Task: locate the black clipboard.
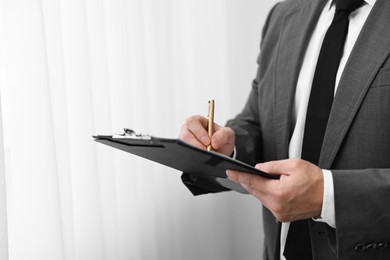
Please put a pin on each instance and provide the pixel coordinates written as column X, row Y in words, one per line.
column 179, row 155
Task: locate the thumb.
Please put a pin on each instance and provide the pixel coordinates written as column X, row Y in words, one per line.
column 274, row 167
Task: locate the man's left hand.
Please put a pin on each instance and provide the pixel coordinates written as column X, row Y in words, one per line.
column 296, row 195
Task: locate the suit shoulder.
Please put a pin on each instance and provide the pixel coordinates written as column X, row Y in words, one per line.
column 296, row 8
column 284, row 15
column 291, row 6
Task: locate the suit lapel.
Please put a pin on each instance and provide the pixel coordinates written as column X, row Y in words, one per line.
column 297, row 29
column 370, row 51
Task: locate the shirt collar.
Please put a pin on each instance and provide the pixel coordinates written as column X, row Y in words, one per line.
column 369, row 2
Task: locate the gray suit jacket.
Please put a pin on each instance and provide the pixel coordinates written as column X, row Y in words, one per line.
column 357, row 141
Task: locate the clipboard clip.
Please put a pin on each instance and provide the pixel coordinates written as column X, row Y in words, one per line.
column 131, row 134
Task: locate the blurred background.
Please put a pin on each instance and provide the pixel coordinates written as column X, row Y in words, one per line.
column 70, row 69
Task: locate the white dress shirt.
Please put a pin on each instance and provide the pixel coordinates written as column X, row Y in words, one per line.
column 357, row 19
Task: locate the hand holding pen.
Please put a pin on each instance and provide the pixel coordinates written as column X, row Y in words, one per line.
column 199, row 132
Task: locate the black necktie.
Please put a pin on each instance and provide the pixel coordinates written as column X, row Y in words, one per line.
column 298, row 244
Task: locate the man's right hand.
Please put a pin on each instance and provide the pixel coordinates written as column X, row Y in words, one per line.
column 194, row 132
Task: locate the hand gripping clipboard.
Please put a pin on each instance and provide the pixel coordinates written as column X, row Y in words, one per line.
column 181, row 156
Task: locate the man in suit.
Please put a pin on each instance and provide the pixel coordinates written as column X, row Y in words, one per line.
column 344, row 198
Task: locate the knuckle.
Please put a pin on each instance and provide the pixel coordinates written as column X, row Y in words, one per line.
column 293, row 163
column 278, row 213
column 251, row 182
column 279, row 205
column 230, row 131
column 222, row 135
column 193, row 126
column 185, row 135
column 282, row 218
column 280, row 195
column 190, row 120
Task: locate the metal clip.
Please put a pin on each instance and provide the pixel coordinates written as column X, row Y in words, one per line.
column 131, row 134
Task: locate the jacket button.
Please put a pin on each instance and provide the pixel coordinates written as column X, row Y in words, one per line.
column 360, row 247
column 380, row 245
column 370, row 246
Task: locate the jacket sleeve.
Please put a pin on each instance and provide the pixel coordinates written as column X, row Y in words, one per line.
column 362, row 199
column 201, row 185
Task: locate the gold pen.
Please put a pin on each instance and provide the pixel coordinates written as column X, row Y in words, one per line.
column 210, row 125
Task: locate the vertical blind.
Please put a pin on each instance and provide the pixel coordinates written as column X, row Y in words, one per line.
column 70, row 69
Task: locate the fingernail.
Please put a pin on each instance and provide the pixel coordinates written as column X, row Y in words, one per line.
column 228, row 173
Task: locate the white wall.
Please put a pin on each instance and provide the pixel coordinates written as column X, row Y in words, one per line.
column 96, row 66
column 3, row 201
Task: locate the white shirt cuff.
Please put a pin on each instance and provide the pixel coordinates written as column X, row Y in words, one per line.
column 328, row 214
column 234, row 155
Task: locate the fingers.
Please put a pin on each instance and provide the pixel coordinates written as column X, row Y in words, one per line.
column 194, row 131
column 255, row 185
column 267, row 191
column 191, row 135
column 223, row 140
column 281, row 167
column 298, row 194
